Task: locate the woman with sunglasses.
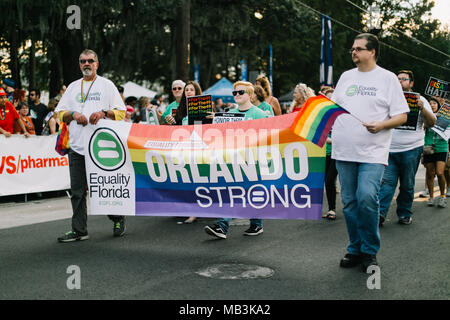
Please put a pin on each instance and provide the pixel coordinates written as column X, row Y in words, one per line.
column 191, row 89
column 242, row 92
column 177, row 91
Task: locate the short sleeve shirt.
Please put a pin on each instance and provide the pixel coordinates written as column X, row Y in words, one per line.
column 8, row 116
column 102, row 95
column 252, row 114
column 369, row 96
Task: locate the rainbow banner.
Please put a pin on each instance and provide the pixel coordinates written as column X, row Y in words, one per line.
column 250, row 169
column 315, row 119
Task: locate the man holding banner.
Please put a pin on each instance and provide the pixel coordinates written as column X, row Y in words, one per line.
column 361, row 147
column 405, row 152
column 88, row 99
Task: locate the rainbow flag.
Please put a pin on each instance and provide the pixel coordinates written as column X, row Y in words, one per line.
column 62, row 141
column 315, row 119
column 249, row 169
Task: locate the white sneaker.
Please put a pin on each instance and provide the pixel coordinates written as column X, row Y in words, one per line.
column 448, row 192
column 424, row 194
column 430, row 202
column 442, row 202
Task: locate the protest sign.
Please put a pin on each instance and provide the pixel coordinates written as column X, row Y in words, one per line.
column 437, row 88
column 198, row 108
column 250, row 169
column 413, row 115
column 224, row 117
column 442, row 126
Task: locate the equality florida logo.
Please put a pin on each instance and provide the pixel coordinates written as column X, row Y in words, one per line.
column 108, row 153
column 355, row 90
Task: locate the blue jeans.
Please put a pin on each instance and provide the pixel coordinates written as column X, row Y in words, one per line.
column 224, row 223
column 402, row 167
column 360, row 184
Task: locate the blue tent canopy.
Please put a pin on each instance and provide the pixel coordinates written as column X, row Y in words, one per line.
column 221, row 89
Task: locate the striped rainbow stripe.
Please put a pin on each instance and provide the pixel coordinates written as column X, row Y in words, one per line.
column 315, row 119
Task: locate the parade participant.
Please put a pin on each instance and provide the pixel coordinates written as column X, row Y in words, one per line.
column 88, row 99
column 23, row 117
column 434, row 158
column 9, row 116
column 361, row 150
column 330, row 169
column 190, row 89
column 301, row 93
column 265, row 84
column 242, row 92
column 258, row 99
column 404, row 158
column 177, row 91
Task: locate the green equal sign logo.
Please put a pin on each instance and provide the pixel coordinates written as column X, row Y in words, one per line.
column 106, row 150
column 352, row 90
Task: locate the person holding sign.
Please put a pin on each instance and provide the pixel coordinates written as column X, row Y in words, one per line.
column 191, row 89
column 405, row 152
column 177, row 91
column 242, row 92
column 87, row 100
column 361, row 147
column 434, row 158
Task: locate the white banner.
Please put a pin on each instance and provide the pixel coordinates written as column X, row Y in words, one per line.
column 31, row 164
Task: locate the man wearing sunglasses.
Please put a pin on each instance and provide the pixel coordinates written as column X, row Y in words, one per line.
column 242, row 92
column 177, row 91
column 361, row 141
column 404, row 158
column 88, row 99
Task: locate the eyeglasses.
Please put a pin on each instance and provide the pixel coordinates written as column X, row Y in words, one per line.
column 31, row 94
column 240, row 92
column 90, row 61
column 403, row 79
column 357, row 49
column 177, row 88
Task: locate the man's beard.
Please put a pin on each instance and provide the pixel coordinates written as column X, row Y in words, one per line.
column 87, row 72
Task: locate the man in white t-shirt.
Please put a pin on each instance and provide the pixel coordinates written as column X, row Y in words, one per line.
column 88, row 99
column 404, row 157
column 361, row 141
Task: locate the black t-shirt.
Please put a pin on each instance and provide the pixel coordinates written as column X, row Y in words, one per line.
column 41, row 111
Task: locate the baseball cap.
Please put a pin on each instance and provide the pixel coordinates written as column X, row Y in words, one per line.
column 2, row 92
column 9, row 82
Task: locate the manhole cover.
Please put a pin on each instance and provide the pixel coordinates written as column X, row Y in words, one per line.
column 236, row 271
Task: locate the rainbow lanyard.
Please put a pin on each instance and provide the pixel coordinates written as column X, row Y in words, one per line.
column 3, row 113
column 83, row 97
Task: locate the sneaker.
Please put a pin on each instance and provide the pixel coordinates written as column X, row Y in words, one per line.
column 350, row 260
column 442, row 202
column 73, row 236
column 424, row 194
column 253, row 231
column 405, row 220
column 367, row 261
column 119, row 228
column 430, row 202
column 215, row 231
column 448, row 192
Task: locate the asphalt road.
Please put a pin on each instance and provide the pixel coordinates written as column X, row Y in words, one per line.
column 159, row 259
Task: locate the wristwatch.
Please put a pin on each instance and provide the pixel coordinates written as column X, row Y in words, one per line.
column 105, row 112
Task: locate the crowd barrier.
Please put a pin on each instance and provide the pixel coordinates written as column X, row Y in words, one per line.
column 29, row 165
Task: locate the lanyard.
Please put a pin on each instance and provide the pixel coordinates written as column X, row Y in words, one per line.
column 84, row 98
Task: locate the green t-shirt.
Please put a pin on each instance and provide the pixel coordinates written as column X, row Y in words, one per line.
column 328, row 146
column 168, row 111
column 252, row 114
column 264, row 106
column 432, row 138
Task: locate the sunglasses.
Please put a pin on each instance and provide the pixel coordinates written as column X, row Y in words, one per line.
column 403, row 79
column 240, row 92
column 90, row 61
column 177, row 88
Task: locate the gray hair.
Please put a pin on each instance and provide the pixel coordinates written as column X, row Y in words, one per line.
column 89, row 51
column 180, row 82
